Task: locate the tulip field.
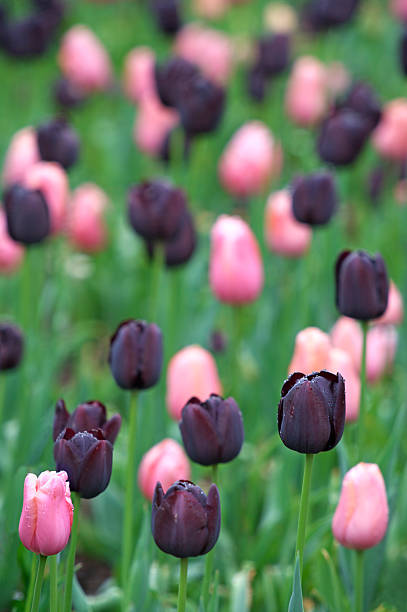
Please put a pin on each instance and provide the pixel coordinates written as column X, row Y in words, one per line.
column 203, row 234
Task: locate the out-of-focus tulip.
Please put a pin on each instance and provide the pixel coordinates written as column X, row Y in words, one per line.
column 341, row 361
column 47, row 514
column 191, row 372
column 11, row 253
column 347, row 335
column 170, row 76
column 51, row 180
column 394, row 313
column 362, row 285
column 200, row 105
column 399, row 9
column 307, row 95
column 180, row 248
column 84, row 61
column 324, row 14
column 314, row 198
column 138, row 77
column 251, row 159
column 342, row 137
column 311, row 412
column 58, row 142
column 311, row 351
column 136, row 354
column 185, row 522
column 236, row 268
column 11, row 346
column 280, row 17
column 27, row 213
column 21, row 154
column 361, row 517
column 284, row 234
column 68, row 94
column 167, row 14
column 166, row 462
column 86, row 225
column 274, row 51
column 211, row 9
column 337, row 79
column 152, row 124
column 362, row 99
column 390, row 136
column 87, row 416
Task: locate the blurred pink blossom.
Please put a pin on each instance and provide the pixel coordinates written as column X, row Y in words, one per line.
column 152, row 124
column 394, row 313
column 11, row 253
column 311, row 351
column 86, row 225
column 284, row 234
column 166, row 462
column 307, row 91
column 138, row 76
column 390, row 136
column 51, row 179
column 21, row 154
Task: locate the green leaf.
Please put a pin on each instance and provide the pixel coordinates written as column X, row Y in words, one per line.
column 240, row 595
column 296, row 604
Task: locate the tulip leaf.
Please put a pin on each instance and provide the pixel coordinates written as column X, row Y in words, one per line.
column 79, row 598
column 240, row 595
column 296, row 604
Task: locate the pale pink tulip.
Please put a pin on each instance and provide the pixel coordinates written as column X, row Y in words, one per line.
column 86, row 225
column 166, row 462
column 138, row 77
column 152, row 124
column 11, row 253
column 280, row 17
column 394, row 313
column 347, row 335
column 390, row 136
column 399, row 9
column 21, row 154
column 211, row 9
column 307, row 92
column 311, row 351
column 51, row 179
column 340, row 361
column 284, row 234
column 361, row 517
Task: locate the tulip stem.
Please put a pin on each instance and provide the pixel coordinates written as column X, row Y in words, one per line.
column 38, row 583
column 70, row 562
column 158, row 264
column 359, row 581
column 25, row 291
column 29, row 597
column 235, row 349
column 302, row 519
column 53, row 569
column 215, row 473
column 182, row 590
column 209, row 557
column 362, row 410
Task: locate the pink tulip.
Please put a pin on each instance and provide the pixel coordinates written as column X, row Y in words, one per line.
column 86, row 226
column 236, row 268
column 209, row 49
column 340, row 361
column 165, row 462
column 46, row 518
column 360, row 520
column 390, row 136
column 284, row 234
column 346, row 334
column 191, row 372
column 11, row 253
column 84, row 61
column 51, row 179
column 251, row 159
column 138, row 77
column 307, row 93
column 394, row 312
column 211, row 9
column 311, row 351
column 152, row 124
column 338, row 79
column 399, row 9
column 21, row 154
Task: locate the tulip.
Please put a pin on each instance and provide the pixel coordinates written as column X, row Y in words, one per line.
column 314, row 198
column 11, row 253
column 347, row 335
column 337, row 79
column 68, row 94
column 361, row 517
column 284, row 234
column 311, row 351
column 167, row 14
column 27, row 213
column 21, row 154
column 51, row 180
column 306, row 95
column 394, row 313
column 47, row 514
column 191, row 372
column 324, row 14
column 87, row 416
column 11, row 346
column 362, row 99
column 138, row 77
column 58, row 142
column 390, row 137
column 399, row 9
column 171, row 76
column 210, row 9
column 280, row 17
column 180, row 248
column 341, row 361
column 86, row 228
column 152, row 125
column 273, row 53
column 342, row 136
column 200, row 105
column 165, row 462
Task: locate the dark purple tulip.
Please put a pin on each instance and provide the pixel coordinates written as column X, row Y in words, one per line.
column 342, row 137
column 362, row 285
column 403, row 51
column 311, row 412
column 375, row 184
column 314, row 198
column 256, row 83
column 323, row 14
column 184, row 521
column 27, row 214
column 218, row 341
column 87, row 416
column 180, row 248
column 362, row 99
column 167, row 14
column 26, row 37
column 11, row 346
column 200, row 105
column 212, row 431
column 136, row 354
column 86, row 457
column 169, row 77
column 68, row 94
column 155, row 209
column 58, row 142
column 274, row 51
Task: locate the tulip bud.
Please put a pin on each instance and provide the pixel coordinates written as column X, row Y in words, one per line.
column 58, row 142
column 284, row 234
column 87, row 416
column 28, row 217
column 11, row 253
column 342, row 137
column 87, row 229
column 25, row 37
column 139, row 79
column 200, row 105
column 274, row 52
column 21, row 154
column 47, row 514
column 307, row 95
column 165, row 462
column 362, row 285
column 136, row 354
column 314, row 198
column 11, row 346
column 167, row 14
column 185, row 522
column 311, row 351
column 180, row 248
column 399, row 9
column 169, row 77
column 362, row 99
column 361, row 517
column 51, row 179
column 212, row 431
column 324, row 14
column 311, row 412
column 390, row 137
column 67, row 94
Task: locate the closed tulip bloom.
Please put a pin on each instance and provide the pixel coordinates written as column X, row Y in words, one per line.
column 306, row 96
column 274, row 51
column 210, row 9
column 200, row 105
column 47, row 514
column 170, row 76
column 166, row 462
column 167, row 14
column 390, row 137
column 347, row 335
column 381, row 350
column 68, row 95
column 362, row 99
column 399, row 9
column 394, row 313
column 21, row 154
column 324, row 14
column 236, row 268
column 11, row 346
column 87, row 416
column 341, row 361
column 361, row 517
column 311, row 351
column 152, row 125
column 11, row 253
column 342, row 137
column 212, row 431
column 192, row 372
column 179, row 249
column 138, row 77
column 86, row 227
column 314, row 198
column 136, row 354
column 27, row 213
column 284, row 234
column 362, row 285
column 84, row 61
column 58, row 142
column 51, row 179
column 311, row 412
column 185, row 522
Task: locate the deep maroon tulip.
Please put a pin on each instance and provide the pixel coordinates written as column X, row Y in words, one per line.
column 27, row 214
column 323, row 14
column 68, row 94
column 362, row 99
column 314, row 198
column 212, row 431
column 311, row 412
column 167, row 14
column 155, row 209
column 185, row 522
column 375, row 184
column 169, row 77
column 180, row 248
column 403, row 51
column 200, row 104
column 362, row 285
column 58, row 142
column 11, row 346
column 218, row 341
column 342, row 137
column 86, row 457
column 136, row 354
column 274, row 52
column 87, row 416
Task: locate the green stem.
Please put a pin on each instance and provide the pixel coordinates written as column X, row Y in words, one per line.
column 182, row 590
column 3, row 387
column 359, row 581
column 25, row 291
column 53, row 571
column 362, row 408
column 127, row 535
column 235, row 349
column 215, row 473
column 302, row 519
column 30, row 591
column 70, row 562
column 158, row 264
column 209, row 557
column 38, row 583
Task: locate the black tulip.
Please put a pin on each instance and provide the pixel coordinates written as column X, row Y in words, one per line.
column 200, row 105
column 170, row 76
column 362, row 99
column 311, row 412
column 314, row 198
column 362, row 285
column 212, row 431
column 342, row 137
column 58, row 142
column 11, row 346
column 274, row 51
column 185, row 522
column 136, row 354
column 323, row 14
column 167, row 15
column 27, row 214
column 26, row 37
column 87, row 416
column 67, row 94
column 180, row 248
